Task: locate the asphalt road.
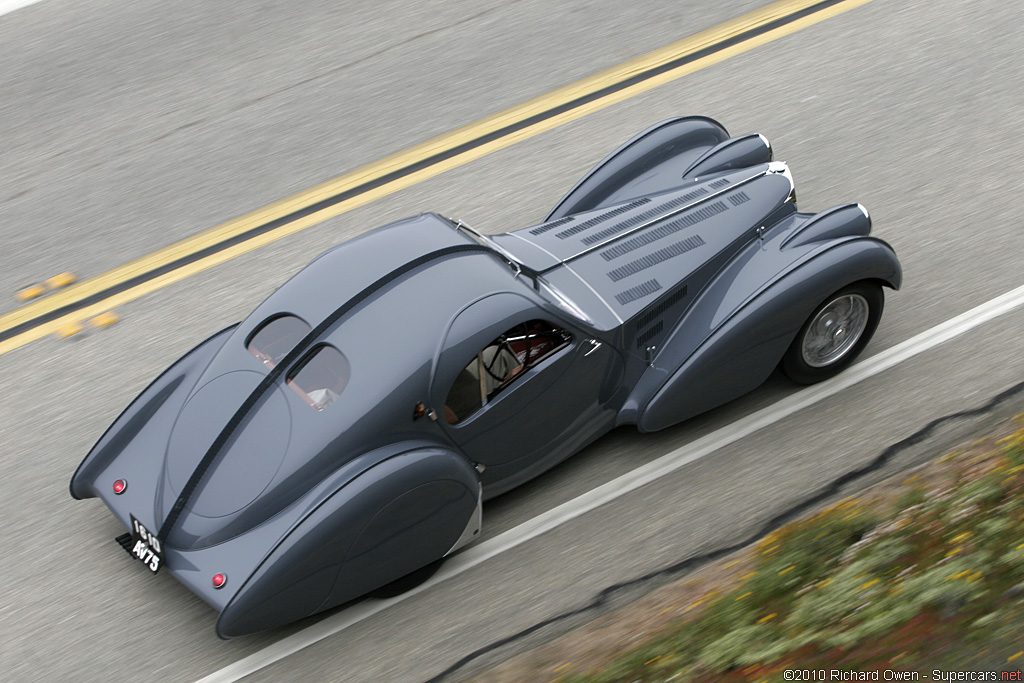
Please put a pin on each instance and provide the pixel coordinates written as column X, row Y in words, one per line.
column 127, row 126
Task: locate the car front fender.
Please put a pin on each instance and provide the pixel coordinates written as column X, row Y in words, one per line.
column 742, row 352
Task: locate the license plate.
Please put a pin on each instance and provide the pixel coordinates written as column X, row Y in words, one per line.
column 145, row 546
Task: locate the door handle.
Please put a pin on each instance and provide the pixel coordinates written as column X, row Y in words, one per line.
column 594, row 346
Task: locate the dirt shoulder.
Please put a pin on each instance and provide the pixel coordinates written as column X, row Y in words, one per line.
column 595, row 645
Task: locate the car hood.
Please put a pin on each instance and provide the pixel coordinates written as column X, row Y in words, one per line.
column 615, row 258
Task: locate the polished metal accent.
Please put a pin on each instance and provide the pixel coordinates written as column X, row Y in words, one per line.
column 594, row 346
column 835, row 330
column 476, row 522
column 773, row 167
column 494, row 246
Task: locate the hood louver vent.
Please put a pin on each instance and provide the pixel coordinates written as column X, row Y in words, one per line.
column 739, row 198
column 669, row 228
column 645, row 216
column 638, row 292
column 541, row 229
column 656, row 257
column 596, row 220
column 720, row 183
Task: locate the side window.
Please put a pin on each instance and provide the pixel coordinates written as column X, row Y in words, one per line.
column 276, row 337
column 320, row 377
column 498, row 365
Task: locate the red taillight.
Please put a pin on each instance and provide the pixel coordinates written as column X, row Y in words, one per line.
column 120, row 485
column 219, row 580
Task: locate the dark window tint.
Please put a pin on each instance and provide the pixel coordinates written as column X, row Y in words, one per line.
column 321, row 376
column 276, row 337
column 499, row 364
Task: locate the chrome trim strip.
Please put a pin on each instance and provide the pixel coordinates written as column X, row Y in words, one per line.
column 476, row 522
column 534, row 244
column 686, row 207
column 596, row 293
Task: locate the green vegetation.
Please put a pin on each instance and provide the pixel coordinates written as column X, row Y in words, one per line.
column 932, row 580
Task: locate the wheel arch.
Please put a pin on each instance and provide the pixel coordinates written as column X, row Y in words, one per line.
column 743, row 351
column 395, row 517
column 660, row 153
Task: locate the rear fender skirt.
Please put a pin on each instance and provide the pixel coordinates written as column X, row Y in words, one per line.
column 735, row 153
column 651, row 162
column 742, row 353
column 392, row 519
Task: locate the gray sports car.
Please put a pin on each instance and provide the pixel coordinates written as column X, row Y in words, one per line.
column 346, row 434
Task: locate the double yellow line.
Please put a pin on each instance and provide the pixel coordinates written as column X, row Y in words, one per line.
column 408, row 167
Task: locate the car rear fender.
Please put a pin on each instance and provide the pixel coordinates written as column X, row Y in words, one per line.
column 163, row 396
column 652, row 161
column 742, row 352
column 394, row 518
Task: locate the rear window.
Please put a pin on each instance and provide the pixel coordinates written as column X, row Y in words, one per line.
column 321, row 376
column 276, row 337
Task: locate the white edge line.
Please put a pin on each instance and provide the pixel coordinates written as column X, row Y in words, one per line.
column 630, row 481
column 7, row 6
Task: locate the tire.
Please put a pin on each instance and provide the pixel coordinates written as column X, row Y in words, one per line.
column 834, row 334
column 407, row 582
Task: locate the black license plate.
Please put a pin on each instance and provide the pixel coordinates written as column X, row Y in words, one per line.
column 145, row 546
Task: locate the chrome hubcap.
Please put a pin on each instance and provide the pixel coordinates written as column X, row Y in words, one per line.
column 835, row 330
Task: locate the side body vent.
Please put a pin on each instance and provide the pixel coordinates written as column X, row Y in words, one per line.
column 649, row 326
column 659, row 310
column 649, row 334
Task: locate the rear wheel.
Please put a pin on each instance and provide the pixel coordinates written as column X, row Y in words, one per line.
column 835, row 334
column 407, row 582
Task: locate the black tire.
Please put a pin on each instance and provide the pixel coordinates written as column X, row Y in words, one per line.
column 407, row 582
column 806, row 361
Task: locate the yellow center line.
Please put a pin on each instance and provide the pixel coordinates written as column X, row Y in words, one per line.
column 418, row 153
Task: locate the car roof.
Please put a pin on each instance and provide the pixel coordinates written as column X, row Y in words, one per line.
column 431, row 294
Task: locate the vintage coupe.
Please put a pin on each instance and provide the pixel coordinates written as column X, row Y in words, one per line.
column 345, row 434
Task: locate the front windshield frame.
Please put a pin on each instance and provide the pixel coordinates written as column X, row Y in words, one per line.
column 548, row 292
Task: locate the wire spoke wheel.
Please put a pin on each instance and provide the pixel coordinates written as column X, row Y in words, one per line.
column 834, row 334
column 835, row 330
